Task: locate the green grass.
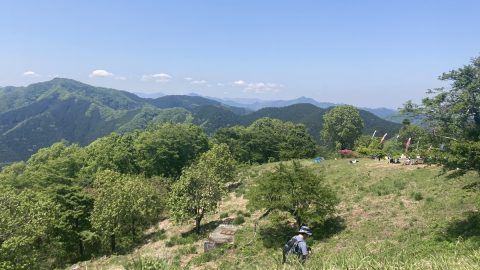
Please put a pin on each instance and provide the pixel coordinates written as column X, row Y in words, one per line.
column 151, row 264
column 390, row 217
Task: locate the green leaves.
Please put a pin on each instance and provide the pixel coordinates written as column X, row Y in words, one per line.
column 293, row 189
column 166, row 149
column 26, row 220
column 124, row 206
column 202, row 185
column 268, row 139
column 342, row 125
column 452, row 115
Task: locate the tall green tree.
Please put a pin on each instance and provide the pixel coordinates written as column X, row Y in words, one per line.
column 202, row 185
column 113, row 152
column 294, row 189
column 124, row 206
column 452, row 114
column 165, row 149
column 268, row 139
column 342, row 125
column 236, row 138
column 27, row 219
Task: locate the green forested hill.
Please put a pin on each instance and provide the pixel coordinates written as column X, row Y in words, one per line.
column 193, row 102
column 312, row 116
column 41, row 114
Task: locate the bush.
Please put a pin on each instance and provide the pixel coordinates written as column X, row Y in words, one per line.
column 238, row 220
column 417, row 196
column 159, row 235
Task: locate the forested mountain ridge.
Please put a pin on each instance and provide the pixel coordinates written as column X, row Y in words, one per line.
column 257, row 104
column 41, row 114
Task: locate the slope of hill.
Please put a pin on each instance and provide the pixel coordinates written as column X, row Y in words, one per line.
column 192, row 102
column 384, row 113
column 40, row 114
column 390, row 217
column 257, row 104
column 311, row 116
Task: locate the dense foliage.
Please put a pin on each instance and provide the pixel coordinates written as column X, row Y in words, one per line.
column 202, row 185
column 452, row 114
column 342, row 125
column 68, row 203
column 267, row 139
column 294, row 189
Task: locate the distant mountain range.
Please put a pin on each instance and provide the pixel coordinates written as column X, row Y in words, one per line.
column 40, row 114
column 252, row 104
column 257, row 104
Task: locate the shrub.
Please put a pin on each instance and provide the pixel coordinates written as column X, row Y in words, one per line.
column 238, row 220
column 417, row 196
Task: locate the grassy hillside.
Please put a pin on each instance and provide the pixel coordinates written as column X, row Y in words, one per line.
column 390, row 217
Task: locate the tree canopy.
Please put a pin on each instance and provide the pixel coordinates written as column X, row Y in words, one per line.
column 452, row 114
column 294, row 189
column 268, row 139
column 342, row 125
column 202, row 185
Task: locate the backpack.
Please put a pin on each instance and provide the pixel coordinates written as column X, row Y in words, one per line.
column 291, row 247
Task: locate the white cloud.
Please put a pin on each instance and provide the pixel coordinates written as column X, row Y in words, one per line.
column 258, row 87
column 239, row 82
column 159, row 77
column 120, row 78
column 198, row 82
column 220, row 84
column 31, row 74
column 188, row 79
column 100, row 73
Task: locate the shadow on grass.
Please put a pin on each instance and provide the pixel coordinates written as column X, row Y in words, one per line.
column 454, row 174
column 328, row 228
column 205, row 229
column 468, row 228
column 276, row 235
column 475, row 186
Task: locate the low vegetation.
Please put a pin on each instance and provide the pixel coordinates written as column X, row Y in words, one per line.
column 391, row 229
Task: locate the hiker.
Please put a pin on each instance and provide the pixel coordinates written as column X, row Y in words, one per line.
column 297, row 245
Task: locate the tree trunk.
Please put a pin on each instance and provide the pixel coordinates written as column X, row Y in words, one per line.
column 198, row 219
column 112, row 243
column 81, row 248
column 133, row 230
column 299, row 221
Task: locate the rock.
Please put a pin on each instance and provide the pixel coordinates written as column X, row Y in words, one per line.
column 224, row 233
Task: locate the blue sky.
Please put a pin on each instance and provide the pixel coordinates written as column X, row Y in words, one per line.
column 365, row 53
